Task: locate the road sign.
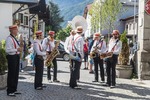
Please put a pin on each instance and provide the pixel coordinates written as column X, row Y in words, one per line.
column 147, row 7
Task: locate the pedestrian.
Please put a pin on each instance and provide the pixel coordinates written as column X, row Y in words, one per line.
column 13, row 50
column 114, row 46
column 91, row 62
column 77, row 50
column 38, row 61
column 48, row 45
column 99, row 46
column 85, row 49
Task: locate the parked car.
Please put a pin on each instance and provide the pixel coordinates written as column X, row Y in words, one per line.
column 63, row 54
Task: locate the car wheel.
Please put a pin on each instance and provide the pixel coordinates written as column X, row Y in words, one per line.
column 66, row 57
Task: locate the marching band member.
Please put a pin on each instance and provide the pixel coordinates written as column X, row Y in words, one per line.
column 114, row 46
column 13, row 56
column 101, row 48
column 68, row 44
column 38, row 61
column 48, row 45
column 77, row 50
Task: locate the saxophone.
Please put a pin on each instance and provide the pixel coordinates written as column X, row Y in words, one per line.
column 52, row 55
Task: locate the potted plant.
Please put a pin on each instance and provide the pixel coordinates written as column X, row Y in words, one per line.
column 3, row 66
column 123, row 69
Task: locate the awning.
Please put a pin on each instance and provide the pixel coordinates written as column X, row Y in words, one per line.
column 21, row 1
column 41, row 9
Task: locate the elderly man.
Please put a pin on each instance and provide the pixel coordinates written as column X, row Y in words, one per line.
column 13, row 56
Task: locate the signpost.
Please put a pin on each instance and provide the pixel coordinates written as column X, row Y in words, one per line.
column 147, row 7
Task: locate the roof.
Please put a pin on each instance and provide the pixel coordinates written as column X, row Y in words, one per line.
column 20, row 1
column 41, row 9
column 128, row 18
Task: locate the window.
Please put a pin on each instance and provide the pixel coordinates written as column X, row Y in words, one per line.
column 20, row 17
column 25, row 20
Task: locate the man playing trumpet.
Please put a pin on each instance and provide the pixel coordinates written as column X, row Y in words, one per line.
column 99, row 46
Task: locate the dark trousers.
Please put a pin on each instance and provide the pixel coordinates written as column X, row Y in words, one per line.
column 98, row 61
column 111, row 70
column 74, row 75
column 39, row 64
column 13, row 73
column 54, row 71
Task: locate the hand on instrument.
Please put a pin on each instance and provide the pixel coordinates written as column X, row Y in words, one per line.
column 19, row 49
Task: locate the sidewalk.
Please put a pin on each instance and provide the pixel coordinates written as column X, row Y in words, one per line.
column 126, row 89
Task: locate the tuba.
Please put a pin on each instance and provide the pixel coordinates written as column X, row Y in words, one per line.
column 52, row 55
column 79, row 21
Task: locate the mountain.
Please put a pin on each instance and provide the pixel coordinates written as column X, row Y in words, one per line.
column 70, row 8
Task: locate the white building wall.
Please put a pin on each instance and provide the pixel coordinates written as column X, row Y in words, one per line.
column 88, row 32
column 5, row 19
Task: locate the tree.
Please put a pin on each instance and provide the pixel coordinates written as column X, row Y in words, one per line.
column 54, row 18
column 105, row 13
column 62, row 34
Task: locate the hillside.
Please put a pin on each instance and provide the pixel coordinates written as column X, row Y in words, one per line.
column 71, row 8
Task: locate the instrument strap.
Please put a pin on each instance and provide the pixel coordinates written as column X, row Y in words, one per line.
column 39, row 46
column 73, row 44
column 114, row 46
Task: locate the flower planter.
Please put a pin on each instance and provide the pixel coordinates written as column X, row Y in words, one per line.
column 123, row 71
column 3, row 81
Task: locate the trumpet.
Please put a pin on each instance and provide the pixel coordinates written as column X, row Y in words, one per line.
column 106, row 55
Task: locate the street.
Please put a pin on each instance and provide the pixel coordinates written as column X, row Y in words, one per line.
column 126, row 89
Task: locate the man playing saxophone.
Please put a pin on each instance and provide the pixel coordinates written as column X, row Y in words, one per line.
column 48, row 45
column 114, row 46
column 99, row 46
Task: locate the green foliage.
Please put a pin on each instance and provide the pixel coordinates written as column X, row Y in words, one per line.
column 55, row 19
column 104, row 14
column 3, row 60
column 3, row 43
column 62, row 34
column 124, row 55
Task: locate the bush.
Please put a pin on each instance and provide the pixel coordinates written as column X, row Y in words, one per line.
column 3, row 60
column 124, row 55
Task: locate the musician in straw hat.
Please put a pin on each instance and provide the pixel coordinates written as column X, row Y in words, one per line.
column 38, row 61
column 48, row 45
column 114, row 46
column 77, row 50
column 99, row 46
column 13, row 50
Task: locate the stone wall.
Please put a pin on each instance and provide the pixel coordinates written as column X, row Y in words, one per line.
column 144, row 42
column 3, row 81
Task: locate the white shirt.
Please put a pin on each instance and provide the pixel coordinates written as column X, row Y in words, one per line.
column 79, row 44
column 99, row 43
column 48, row 47
column 10, row 46
column 37, row 46
column 117, row 48
column 68, row 44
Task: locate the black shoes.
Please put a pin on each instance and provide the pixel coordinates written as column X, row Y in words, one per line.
column 85, row 68
column 76, row 87
column 39, row 88
column 43, row 86
column 91, row 72
column 56, row 81
column 95, row 81
column 17, row 92
column 11, row 94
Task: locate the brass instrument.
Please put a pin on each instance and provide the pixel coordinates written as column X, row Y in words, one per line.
column 106, row 55
column 94, row 52
column 52, row 55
